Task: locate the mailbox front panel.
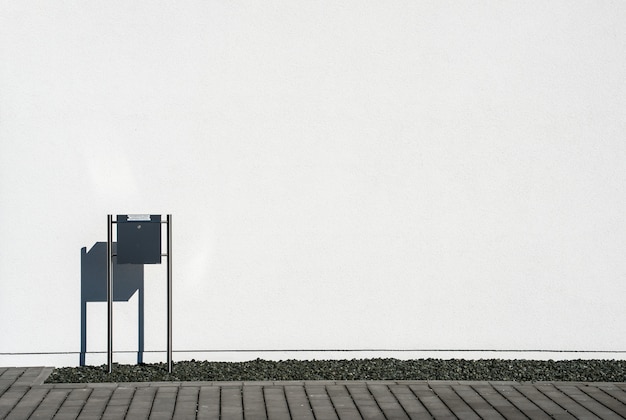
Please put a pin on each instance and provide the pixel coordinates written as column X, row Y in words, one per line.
column 139, row 239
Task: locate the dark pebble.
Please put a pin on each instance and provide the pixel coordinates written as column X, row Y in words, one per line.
column 365, row 369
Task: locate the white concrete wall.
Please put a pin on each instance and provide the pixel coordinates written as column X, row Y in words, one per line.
column 356, row 175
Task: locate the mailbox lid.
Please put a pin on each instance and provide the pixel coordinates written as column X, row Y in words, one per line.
column 138, row 239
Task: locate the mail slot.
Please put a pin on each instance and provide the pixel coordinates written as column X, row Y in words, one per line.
column 139, row 239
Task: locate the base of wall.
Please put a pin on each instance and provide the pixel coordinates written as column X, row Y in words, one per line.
column 66, row 359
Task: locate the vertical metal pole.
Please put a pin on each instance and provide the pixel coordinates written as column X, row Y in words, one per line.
column 110, row 292
column 169, row 293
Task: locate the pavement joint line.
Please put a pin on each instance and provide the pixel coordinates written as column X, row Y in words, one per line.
column 587, row 401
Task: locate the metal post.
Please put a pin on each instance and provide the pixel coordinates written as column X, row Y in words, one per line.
column 169, row 293
column 110, row 292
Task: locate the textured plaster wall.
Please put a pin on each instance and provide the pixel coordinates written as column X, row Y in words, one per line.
column 342, row 175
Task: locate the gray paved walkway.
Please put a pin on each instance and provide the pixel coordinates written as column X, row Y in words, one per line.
column 23, row 395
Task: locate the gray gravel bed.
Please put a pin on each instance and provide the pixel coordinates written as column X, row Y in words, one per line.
column 356, row 369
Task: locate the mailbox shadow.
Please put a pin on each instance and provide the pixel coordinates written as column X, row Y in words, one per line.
column 127, row 279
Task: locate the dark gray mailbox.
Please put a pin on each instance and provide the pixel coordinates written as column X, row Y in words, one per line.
column 139, row 239
column 138, row 242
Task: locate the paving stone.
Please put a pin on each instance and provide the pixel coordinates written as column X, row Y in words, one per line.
column 586, row 401
column 365, row 402
column 43, row 414
column 230, row 384
column 76, row 386
column 255, row 383
column 139, row 410
column 431, row 401
column 4, row 385
column 544, row 403
column 116, row 412
column 27, row 404
column 121, row 396
column 164, row 384
column 141, row 404
column 254, row 402
column 409, row 402
column 27, row 376
column 186, row 403
column 231, row 403
column 605, row 399
column 319, row 383
column 96, row 404
column 164, row 403
column 512, row 394
column 115, row 404
column 503, row 406
column 565, row 402
column 10, row 398
column 320, row 401
column 73, row 404
column 209, row 403
column 276, row 403
column 342, row 401
column 476, row 402
column 50, row 404
column 387, row 401
column 616, row 391
column 288, row 383
column 12, row 374
column 299, row 406
column 197, row 384
column 454, row 402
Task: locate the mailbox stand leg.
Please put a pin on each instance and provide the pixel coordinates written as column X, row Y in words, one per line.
column 110, row 292
column 169, row 293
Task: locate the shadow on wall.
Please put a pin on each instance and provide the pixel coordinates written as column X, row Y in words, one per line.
column 127, row 279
